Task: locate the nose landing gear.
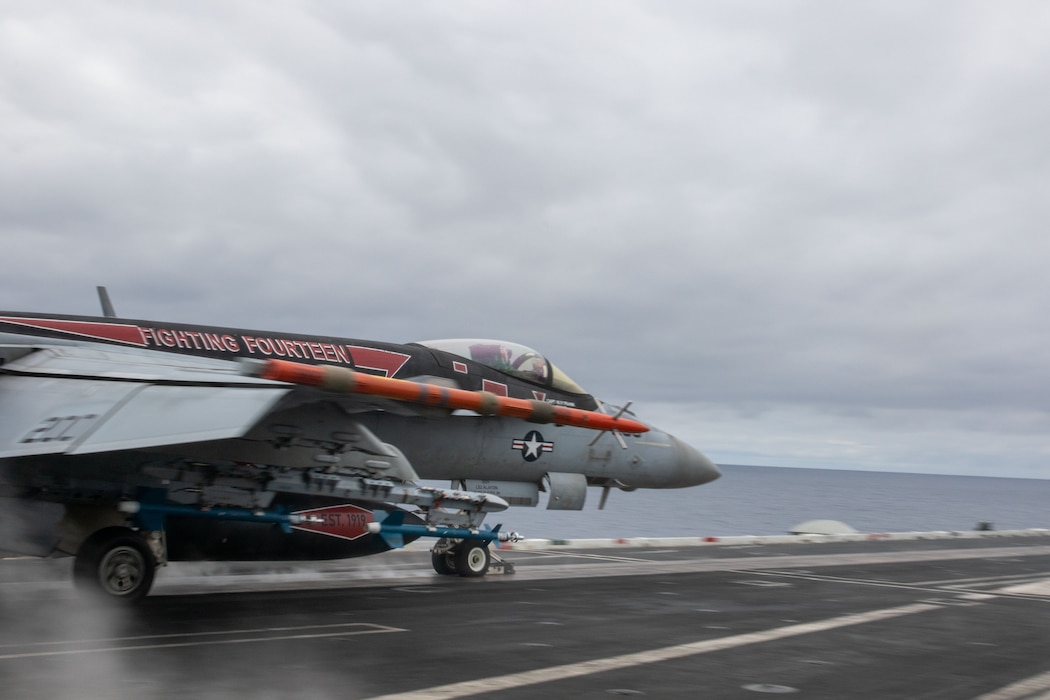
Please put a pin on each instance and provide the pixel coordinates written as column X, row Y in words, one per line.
column 466, row 558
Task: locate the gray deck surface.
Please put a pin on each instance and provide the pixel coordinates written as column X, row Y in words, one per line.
column 901, row 619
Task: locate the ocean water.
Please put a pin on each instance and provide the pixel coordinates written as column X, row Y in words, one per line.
column 771, row 500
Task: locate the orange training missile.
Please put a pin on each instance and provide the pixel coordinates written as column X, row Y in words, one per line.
column 346, row 381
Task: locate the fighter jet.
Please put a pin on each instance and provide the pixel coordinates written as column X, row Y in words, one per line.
column 132, row 443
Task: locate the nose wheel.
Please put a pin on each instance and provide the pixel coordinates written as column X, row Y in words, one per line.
column 472, row 559
column 443, row 562
column 469, row 558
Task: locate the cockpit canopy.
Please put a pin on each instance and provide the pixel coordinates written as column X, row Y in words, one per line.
column 509, row 358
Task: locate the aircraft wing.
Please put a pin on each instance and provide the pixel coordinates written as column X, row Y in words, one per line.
column 77, row 400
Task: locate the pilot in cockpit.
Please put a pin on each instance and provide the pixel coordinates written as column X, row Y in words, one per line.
column 532, row 367
column 527, row 364
column 494, row 356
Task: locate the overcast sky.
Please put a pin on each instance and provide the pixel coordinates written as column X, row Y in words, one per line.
column 794, row 233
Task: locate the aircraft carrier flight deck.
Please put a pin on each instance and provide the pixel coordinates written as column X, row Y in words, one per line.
column 947, row 617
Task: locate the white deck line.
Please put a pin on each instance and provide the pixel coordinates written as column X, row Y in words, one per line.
column 737, row 540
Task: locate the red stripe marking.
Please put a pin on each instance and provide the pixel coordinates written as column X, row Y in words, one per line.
column 494, row 387
column 386, row 361
column 120, row 332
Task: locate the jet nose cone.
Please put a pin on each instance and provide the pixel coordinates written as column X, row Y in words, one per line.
column 694, row 467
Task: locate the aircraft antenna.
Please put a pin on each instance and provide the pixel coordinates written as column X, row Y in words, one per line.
column 107, row 305
column 616, row 433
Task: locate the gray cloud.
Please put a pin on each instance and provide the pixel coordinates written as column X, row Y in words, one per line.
column 829, row 214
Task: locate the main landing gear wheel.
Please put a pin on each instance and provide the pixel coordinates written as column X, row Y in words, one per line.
column 114, row 563
column 472, row 559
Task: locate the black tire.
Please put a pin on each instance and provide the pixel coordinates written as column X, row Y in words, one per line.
column 114, row 564
column 444, row 563
column 443, row 559
column 472, row 559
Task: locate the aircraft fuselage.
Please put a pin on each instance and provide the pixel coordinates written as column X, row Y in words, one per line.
column 138, row 442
